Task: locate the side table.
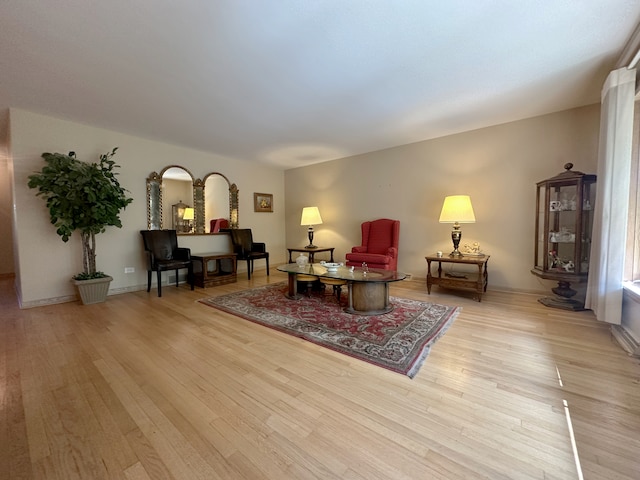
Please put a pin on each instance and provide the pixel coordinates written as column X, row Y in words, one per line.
column 215, row 268
column 311, row 252
column 470, row 281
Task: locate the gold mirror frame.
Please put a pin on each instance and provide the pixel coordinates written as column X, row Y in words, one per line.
column 154, row 201
column 233, row 201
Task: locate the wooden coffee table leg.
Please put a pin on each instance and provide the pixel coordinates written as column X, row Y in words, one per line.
column 292, row 293
column 369, row 298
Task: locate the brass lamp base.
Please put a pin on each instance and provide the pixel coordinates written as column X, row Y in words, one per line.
column 456, row 235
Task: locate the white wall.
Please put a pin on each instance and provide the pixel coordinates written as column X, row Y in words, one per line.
column 6, row 210
column 44, row 264
column 497, row 166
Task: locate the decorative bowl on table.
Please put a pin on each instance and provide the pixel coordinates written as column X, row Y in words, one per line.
column 331, row 267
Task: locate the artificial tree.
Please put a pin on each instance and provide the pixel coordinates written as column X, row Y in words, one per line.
column 81, row 196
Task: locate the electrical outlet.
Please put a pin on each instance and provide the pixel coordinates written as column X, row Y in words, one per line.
column 129, row 269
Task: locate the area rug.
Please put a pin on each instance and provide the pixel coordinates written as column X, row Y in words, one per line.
column 399, row 340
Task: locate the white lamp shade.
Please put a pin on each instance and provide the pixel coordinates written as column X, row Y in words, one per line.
column 310, row 216
column 188, row 214
column 457, row 208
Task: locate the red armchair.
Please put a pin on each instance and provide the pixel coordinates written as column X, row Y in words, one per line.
column 379, row 247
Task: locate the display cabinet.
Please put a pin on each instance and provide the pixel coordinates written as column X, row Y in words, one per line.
column 179, row 223
column 564, row 220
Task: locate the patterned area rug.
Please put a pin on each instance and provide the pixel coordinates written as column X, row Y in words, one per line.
column 399, row 340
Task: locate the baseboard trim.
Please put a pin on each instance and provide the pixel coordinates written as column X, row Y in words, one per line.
column 72, row 298
column 626, row 341
column 43, row 302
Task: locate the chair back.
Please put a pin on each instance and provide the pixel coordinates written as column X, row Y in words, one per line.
column 161, row 243
column 379, row 235
column 242, row 239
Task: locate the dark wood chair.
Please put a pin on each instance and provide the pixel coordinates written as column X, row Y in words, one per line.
column 163, row 253
column 246, row 249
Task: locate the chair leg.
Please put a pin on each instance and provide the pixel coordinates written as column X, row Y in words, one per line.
column 249, row 268
column 148, row 281
column 159, row 283
column 309, row 288
column 190, row 275
column 267, row 259
column 176, row 277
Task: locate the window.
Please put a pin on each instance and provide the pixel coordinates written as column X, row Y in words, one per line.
column 632, row 259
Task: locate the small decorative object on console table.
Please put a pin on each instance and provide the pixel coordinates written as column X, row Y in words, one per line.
column 470, row 281
column 472, row 250
column 564, row 219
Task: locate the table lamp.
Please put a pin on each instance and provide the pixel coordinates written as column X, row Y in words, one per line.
column 310, row 216
column 457, row 209
column 189, row 215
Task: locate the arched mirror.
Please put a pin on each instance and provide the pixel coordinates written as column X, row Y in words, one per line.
column 178, row 212
column 220, row 200
column 174, row 191
column 170, row 200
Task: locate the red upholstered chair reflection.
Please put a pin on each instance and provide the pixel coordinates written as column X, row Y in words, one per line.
column 218, row 223
column 379, row 247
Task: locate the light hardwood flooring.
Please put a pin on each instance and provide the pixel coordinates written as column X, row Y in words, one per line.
column 142, row 387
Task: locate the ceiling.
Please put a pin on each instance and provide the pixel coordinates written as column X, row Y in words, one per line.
column 295, row 82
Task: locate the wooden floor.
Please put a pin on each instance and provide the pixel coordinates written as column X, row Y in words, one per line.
column 142, row 387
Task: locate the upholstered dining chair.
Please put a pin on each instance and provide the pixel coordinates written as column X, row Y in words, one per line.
column 218, row 223
column 379, row 248
column 163, row 254
column 246, row 249
column 336, row 284
column 307, row 281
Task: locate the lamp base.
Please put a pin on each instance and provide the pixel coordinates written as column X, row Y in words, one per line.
column 310, row 234
column 456, row 235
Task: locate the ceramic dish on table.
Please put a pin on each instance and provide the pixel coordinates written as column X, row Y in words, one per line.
column 331, row 267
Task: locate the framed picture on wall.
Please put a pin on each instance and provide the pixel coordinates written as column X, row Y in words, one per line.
column 262, row 202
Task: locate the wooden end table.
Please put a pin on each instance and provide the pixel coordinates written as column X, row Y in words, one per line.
column 311, row 252
column 467, row 280
column 215, row 268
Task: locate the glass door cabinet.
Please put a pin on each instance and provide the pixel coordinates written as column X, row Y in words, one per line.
column 564, row 220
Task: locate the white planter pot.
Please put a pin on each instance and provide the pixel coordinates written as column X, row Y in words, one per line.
column 94, row 290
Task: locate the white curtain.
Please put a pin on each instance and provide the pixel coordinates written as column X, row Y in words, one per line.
column 606, row 268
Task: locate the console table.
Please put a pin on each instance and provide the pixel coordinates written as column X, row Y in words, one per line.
column 465, row 280
column 215, row 268
column 311, row 252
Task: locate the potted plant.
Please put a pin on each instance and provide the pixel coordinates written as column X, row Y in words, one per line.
column 86, row 197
